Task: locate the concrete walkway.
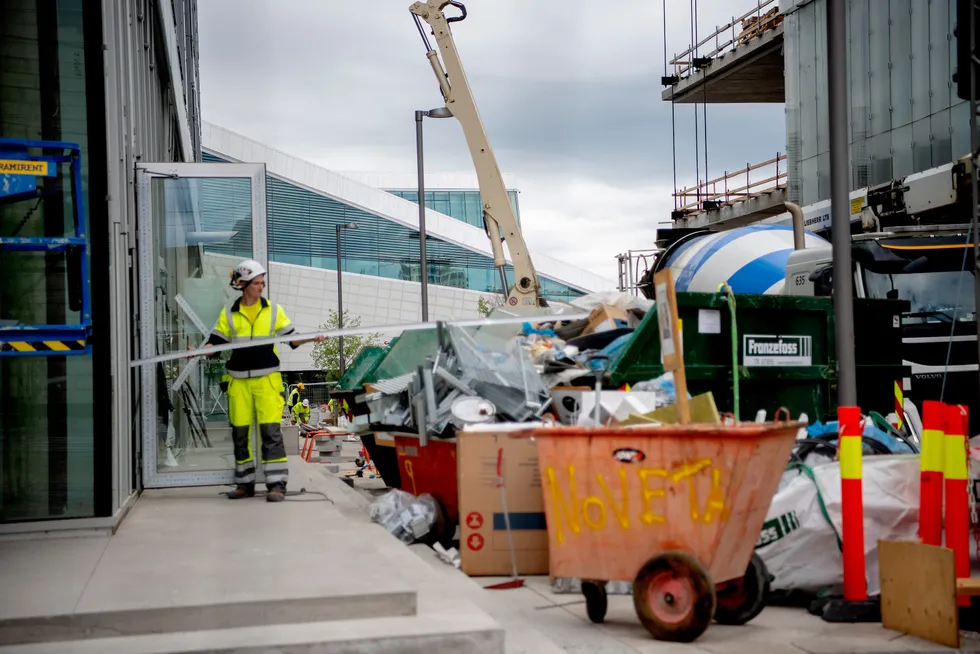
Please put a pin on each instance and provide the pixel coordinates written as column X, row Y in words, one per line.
column 189, row 571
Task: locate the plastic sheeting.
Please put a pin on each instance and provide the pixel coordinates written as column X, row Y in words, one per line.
column 800, row 547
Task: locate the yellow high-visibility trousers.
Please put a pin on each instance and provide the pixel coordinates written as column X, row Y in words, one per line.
column 260, row 397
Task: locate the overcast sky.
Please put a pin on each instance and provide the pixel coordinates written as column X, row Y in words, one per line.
column 569, row 94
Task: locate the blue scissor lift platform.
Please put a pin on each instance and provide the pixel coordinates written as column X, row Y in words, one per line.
column 22, row 162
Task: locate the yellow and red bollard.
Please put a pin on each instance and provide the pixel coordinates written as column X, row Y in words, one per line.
column 855, row 606
column 932, row 461
column 852, row 503
column 957, row 487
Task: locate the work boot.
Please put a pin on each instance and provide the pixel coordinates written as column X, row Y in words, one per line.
column 276, row 494
column 241, row 491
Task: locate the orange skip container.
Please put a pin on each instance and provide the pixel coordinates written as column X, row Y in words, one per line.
column 677, row 510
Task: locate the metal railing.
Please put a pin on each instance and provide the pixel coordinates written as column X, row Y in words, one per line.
column 730, row 36
column 736, row 186
column 632, row 265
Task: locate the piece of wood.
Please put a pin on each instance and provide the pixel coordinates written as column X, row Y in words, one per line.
column 968, row 587
column 918, row 591
column 671, row 343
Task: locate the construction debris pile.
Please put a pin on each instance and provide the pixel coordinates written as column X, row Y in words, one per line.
column 505, row 373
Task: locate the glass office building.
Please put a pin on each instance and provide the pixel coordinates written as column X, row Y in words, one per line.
column 460, row 204
column 905, row 116
column 66, row 435
column 302, row 231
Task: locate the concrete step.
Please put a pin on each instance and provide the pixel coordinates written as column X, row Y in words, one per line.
column 231, row 615
column 461, row 629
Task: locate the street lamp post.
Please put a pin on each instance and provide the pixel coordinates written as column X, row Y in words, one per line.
column 340, row 296
column 439, row 112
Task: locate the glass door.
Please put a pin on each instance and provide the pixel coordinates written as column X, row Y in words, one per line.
column 196, row 222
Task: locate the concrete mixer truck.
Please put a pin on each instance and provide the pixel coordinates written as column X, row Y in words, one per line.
column 910, row 241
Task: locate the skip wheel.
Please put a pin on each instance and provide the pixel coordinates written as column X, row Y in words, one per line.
column 596, row 601
column 741, row 600
column 674, row 597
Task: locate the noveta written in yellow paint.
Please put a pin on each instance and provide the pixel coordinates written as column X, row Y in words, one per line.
column 16, row 167
column 633, row 498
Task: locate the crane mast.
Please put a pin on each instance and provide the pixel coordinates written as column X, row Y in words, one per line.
column 498, row 214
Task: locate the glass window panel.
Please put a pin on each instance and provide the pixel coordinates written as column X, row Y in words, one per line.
column 920, row 60
column 940, row 68
column 791, row 54
column 808, row 170
column 858, row 87
column 941, row 148
column 474, row 212
column 902, row 160
column 921, row 146
column 193, row 264
column 901, row 63
column 881, row 158
column 879, row 55
column 820, row 80
column 808, row 83
column 960, row 128
column 457, row 207
column 823, row 175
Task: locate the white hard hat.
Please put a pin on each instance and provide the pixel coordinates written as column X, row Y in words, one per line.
column 245, row 272
column 306, row 403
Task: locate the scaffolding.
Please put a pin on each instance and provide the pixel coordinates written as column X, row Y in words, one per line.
column 730, row 36
column 731, row 187
column 632, row 265
column 22, row 163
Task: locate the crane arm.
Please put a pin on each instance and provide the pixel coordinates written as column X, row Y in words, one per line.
column 498, row 214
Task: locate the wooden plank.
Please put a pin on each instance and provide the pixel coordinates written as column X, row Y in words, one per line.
column 968, row 587
column 918, row 591
column 671, row 343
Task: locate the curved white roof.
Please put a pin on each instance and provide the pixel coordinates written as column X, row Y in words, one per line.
column 236, row 147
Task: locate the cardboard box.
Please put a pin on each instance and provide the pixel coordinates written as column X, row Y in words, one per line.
column 606, row 318
column 483, row 543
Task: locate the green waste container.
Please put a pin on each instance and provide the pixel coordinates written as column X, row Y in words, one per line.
column 362, row 367
column 785, row 349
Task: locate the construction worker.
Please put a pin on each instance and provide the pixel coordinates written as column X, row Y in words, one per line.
column 255, row 388
column 301, row 412
column 294, row 397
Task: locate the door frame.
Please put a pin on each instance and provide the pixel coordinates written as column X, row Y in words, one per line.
column 145, row 173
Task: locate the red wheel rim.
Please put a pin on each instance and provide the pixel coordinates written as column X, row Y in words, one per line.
column 671, row 597
column 733, row 595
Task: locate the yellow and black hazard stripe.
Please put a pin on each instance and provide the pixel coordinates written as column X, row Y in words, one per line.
column 28, row 347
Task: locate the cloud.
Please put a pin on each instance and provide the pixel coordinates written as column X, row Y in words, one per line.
column 569, row 94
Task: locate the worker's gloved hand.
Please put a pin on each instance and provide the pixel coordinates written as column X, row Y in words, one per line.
column 319, row 338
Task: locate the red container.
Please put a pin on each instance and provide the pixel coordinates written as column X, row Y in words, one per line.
column 430, row 469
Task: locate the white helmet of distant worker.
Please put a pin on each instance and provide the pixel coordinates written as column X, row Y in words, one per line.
column 306, row 403
column 245, row 272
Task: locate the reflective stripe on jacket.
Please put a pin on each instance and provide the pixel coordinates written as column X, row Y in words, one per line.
column 233, row 326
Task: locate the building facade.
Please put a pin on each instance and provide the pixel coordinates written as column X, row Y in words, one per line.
column 905, row 116
column 380, row 259
column 461, row 204
column 115, row 77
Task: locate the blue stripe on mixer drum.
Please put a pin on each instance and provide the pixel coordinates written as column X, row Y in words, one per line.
column 760, row 274
column 701, row 257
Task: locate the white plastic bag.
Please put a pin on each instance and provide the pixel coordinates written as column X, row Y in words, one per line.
column 799, row 545
column 404, row 516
